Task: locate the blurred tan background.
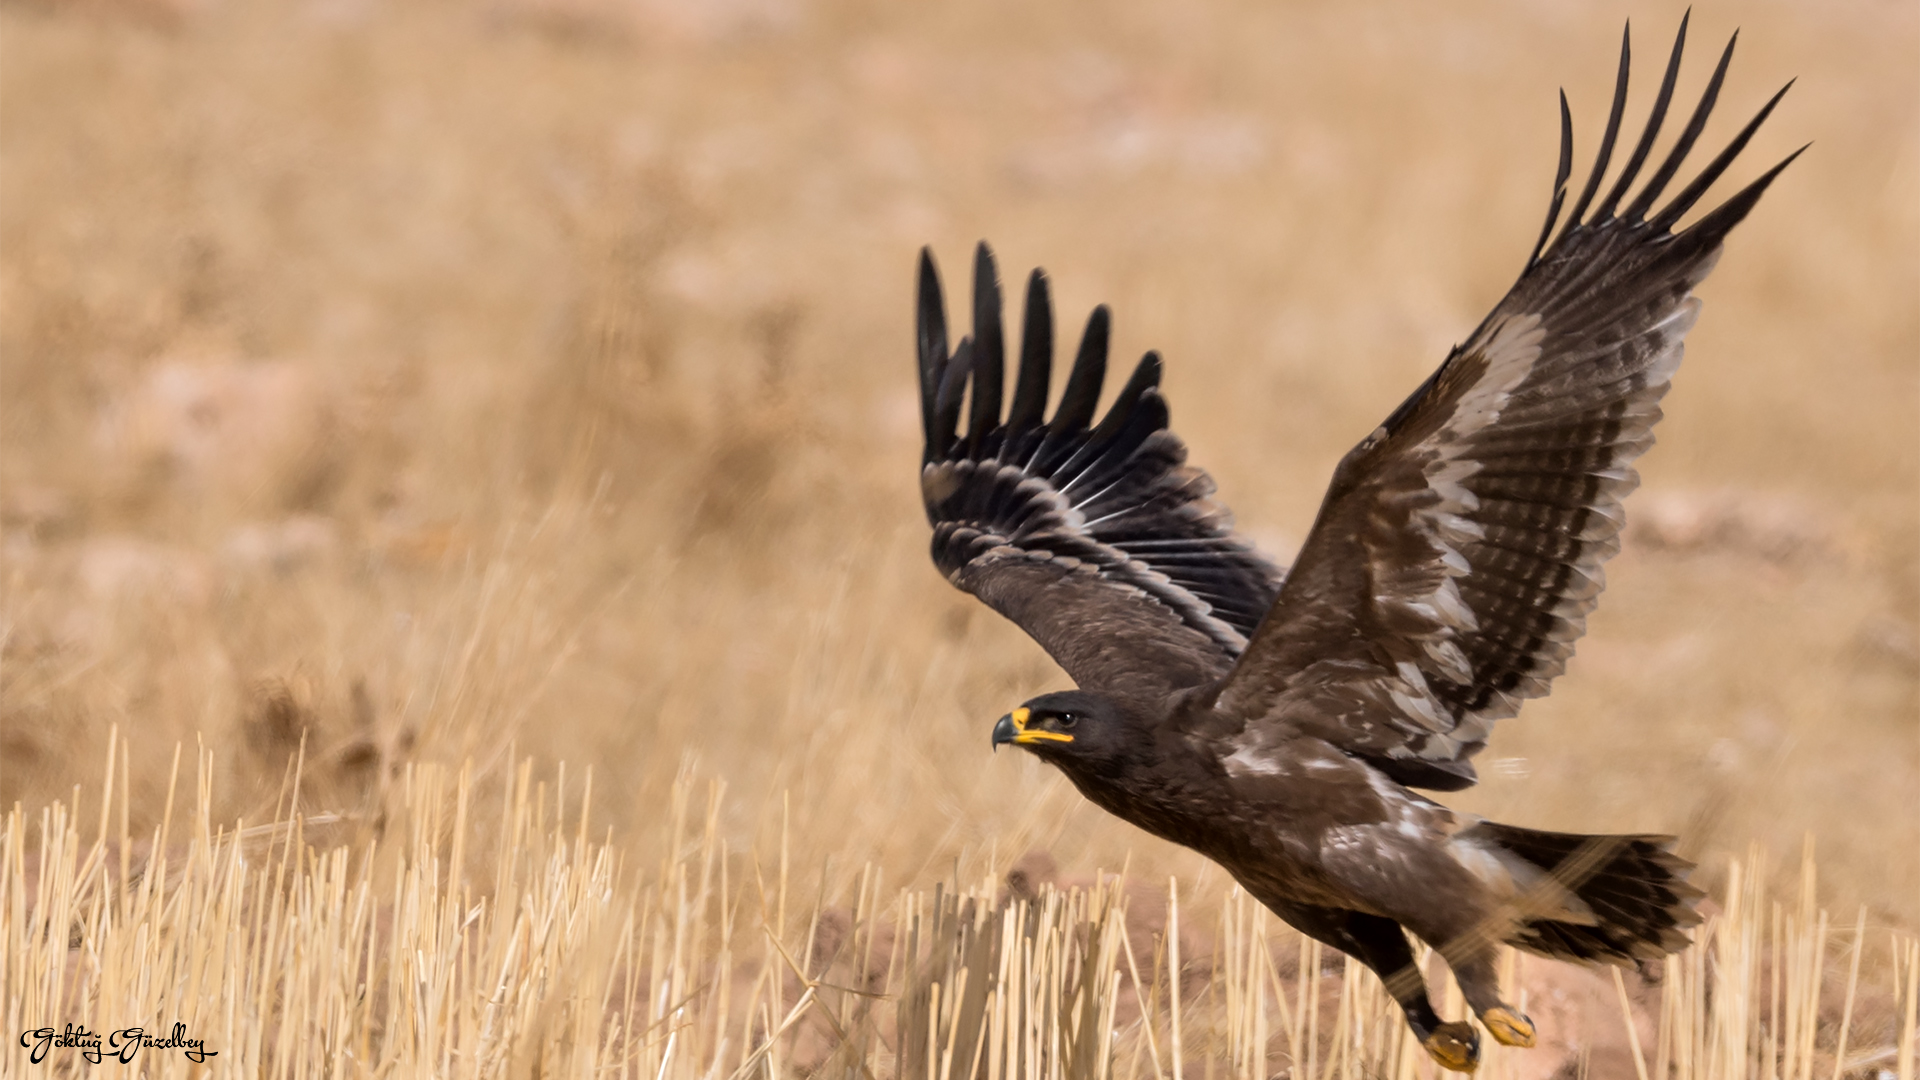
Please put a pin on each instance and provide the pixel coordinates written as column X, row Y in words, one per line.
column 450, row 381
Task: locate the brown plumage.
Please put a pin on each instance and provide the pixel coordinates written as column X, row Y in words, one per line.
column 1276, row 720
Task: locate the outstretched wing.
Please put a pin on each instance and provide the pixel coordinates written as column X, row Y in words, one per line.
column 1459, row 548
column 1099, row 541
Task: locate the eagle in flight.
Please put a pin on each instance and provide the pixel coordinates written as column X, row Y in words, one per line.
column 1278, row 719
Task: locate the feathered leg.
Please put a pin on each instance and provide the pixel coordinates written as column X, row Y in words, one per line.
column 1380, row 944
column 1475, row 970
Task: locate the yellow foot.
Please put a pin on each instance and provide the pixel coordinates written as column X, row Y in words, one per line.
column 1509, row 1028
column 1455, row 1046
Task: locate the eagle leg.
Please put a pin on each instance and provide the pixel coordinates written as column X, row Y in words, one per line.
column 1381, row 944
column 1479, row 981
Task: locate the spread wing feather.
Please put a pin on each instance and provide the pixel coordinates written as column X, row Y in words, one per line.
column 1459, row 548
column 1097, row 539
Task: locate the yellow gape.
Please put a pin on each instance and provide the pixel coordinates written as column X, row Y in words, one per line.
column 1022, row 736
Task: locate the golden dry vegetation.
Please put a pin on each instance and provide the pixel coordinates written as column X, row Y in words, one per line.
column 458, row 942
column 450, row 383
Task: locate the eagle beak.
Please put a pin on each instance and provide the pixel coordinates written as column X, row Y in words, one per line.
column 1003, row 731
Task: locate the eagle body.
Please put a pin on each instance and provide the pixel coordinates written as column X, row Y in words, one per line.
column 1300, row 821
column 1278, row 720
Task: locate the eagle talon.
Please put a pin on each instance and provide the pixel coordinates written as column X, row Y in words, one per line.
column 1455, row 1045
column 1509, row 1028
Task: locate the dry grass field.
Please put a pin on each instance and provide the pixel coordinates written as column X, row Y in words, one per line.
column 423, row 389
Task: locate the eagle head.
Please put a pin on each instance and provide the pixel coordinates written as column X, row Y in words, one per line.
column 1070, row 727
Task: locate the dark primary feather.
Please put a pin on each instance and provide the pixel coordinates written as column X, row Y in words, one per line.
column 1656, row 184
column 1036, row 359
column 1560, row 179
column 1459, row 548
column 1099, row 540
column 1614, row 116
column 987, row 345
column 1655, row 118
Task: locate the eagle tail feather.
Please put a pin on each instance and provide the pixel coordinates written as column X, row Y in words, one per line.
column 1631, row 893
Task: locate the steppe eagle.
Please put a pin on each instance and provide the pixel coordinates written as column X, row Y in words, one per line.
column 1275, row 720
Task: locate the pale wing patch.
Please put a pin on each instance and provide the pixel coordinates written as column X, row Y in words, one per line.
column 1510, row 352
column 1415, row 700
column 1047, row 521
